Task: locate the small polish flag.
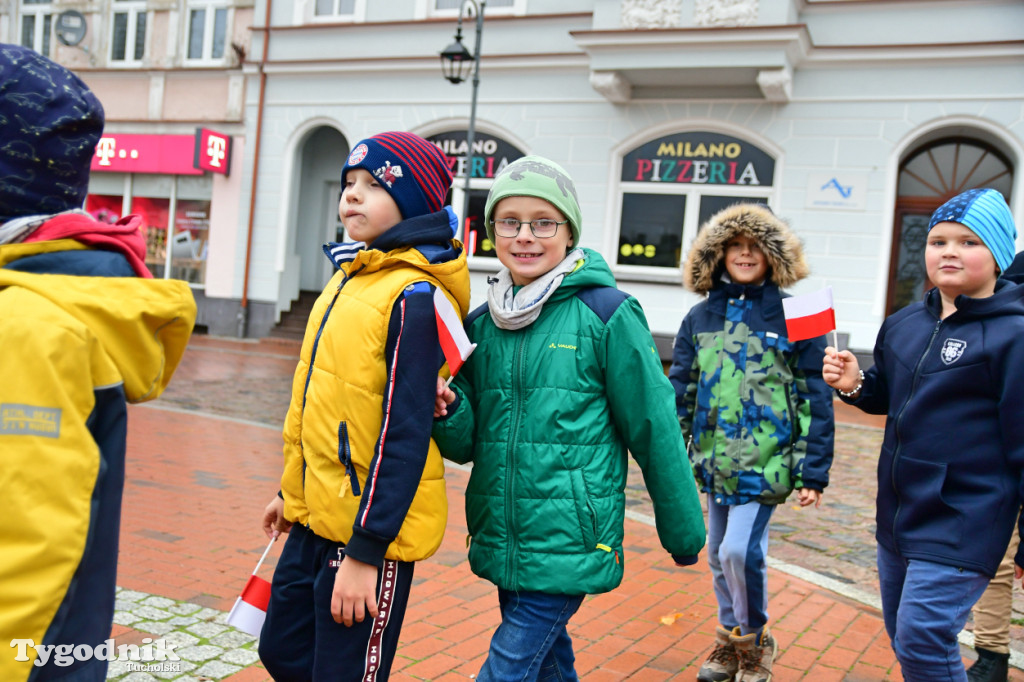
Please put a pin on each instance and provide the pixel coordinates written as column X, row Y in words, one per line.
column 454, row 342
column 809, row 315
column 250, row 609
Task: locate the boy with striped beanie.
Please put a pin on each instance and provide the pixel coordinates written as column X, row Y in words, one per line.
column 363, row 491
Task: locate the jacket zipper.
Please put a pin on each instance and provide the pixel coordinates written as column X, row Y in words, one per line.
column 899, row 421
column 794, row 419
column 345, row 457
column 517, row 358
column 312, row 360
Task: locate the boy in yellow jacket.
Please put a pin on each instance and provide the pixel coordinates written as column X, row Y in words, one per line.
column 84, row 329
column 363, row 481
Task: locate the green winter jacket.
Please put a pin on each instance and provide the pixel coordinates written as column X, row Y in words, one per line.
column 546, row 415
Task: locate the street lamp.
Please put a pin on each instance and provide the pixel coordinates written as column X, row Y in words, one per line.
column 455, row 60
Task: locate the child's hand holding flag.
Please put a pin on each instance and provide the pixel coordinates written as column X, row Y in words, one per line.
column 250, row 609
column 454, row 342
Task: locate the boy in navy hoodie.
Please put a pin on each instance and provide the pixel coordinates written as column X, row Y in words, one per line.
column 947, row 374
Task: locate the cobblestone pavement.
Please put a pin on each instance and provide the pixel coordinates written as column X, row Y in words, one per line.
column 831, row 548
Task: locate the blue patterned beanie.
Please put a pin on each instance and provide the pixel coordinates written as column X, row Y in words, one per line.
column 51, row 123
column 985, row 212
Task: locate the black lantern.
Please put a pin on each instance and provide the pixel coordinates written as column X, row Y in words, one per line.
column 456, row 60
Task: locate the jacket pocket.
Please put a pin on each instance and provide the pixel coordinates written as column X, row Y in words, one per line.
column 585, row 514
column 924, row 515
column 345, row 457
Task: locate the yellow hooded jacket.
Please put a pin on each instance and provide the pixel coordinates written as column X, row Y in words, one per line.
column 75, row 348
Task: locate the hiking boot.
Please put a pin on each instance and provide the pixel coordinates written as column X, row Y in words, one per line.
column 990, row 667
column 723, row 662
column 756, row 656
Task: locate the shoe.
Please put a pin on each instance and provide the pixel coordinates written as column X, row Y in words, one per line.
column 990, row 667
column 723, row 661
column 756, row 656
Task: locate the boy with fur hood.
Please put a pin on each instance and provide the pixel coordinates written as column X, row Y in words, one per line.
column 755, row 412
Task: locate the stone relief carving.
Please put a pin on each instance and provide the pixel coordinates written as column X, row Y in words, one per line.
column 651, row 13
column 725, row 12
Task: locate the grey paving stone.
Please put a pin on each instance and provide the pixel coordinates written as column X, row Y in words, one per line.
column 242, row 657
column 180, row 639
column 151, row 613
column 125, row 617
column 181, row 621
column 154, row 627
column 158, row 602
column 203, row 652
column 130, row 595
column 173, row 670
column 232, row 639
column 217, row 670
column 184, row 608
column 210, row 614
column 207, row 629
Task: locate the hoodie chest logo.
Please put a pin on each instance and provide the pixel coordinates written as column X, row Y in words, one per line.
column 953, row 350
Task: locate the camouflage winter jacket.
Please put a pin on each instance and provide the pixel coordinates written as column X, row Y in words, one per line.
column 755, row 412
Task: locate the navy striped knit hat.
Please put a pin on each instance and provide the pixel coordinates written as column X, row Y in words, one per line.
column 985, row 212
column 412, row 170
column 51, row 123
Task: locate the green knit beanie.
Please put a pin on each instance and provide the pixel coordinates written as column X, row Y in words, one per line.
column 535, row 176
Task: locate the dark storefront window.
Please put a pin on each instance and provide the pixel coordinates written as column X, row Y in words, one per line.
column 672, row 185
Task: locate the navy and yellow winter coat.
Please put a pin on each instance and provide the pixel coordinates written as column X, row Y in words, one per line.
column 546, row 415
column 360, row 467
column 75, row 349
column 752, row 404
column 951, row 468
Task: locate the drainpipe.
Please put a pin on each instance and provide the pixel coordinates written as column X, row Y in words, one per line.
column 243, row 313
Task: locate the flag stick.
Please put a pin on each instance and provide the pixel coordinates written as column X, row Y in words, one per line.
column 449, row 382
column 265, row 552
column 835, row 340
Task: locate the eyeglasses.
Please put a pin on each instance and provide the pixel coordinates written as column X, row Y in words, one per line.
column 541, row 229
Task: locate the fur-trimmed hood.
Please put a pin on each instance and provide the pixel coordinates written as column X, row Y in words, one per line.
column 782, row 249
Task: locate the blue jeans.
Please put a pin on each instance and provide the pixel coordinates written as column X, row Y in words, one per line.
column 532, row 642
column 925, row 606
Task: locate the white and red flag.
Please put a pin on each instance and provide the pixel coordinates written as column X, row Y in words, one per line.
column 454, row 342
column 809, row 315
column 250, row 609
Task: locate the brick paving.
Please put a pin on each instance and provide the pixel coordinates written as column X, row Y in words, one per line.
column 205, row 458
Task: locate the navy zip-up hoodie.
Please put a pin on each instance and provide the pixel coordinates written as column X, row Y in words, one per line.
column 950, row 469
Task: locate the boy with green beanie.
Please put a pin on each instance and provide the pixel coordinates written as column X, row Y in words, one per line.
column 565, row 379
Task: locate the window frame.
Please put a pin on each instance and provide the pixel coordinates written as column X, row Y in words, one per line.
column 131, row 8
column 358, row 13
column 516, row 8
column 691, row 220
column 42, row 14
column 211, row 7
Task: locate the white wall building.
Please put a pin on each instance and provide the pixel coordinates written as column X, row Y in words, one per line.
column 853, row 119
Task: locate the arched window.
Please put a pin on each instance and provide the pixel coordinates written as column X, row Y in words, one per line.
column 671, row 185
column 929, row 175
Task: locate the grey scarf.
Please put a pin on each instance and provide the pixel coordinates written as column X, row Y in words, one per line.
column 515, row 311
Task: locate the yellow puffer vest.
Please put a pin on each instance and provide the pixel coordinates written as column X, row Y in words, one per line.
column 341, row 398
